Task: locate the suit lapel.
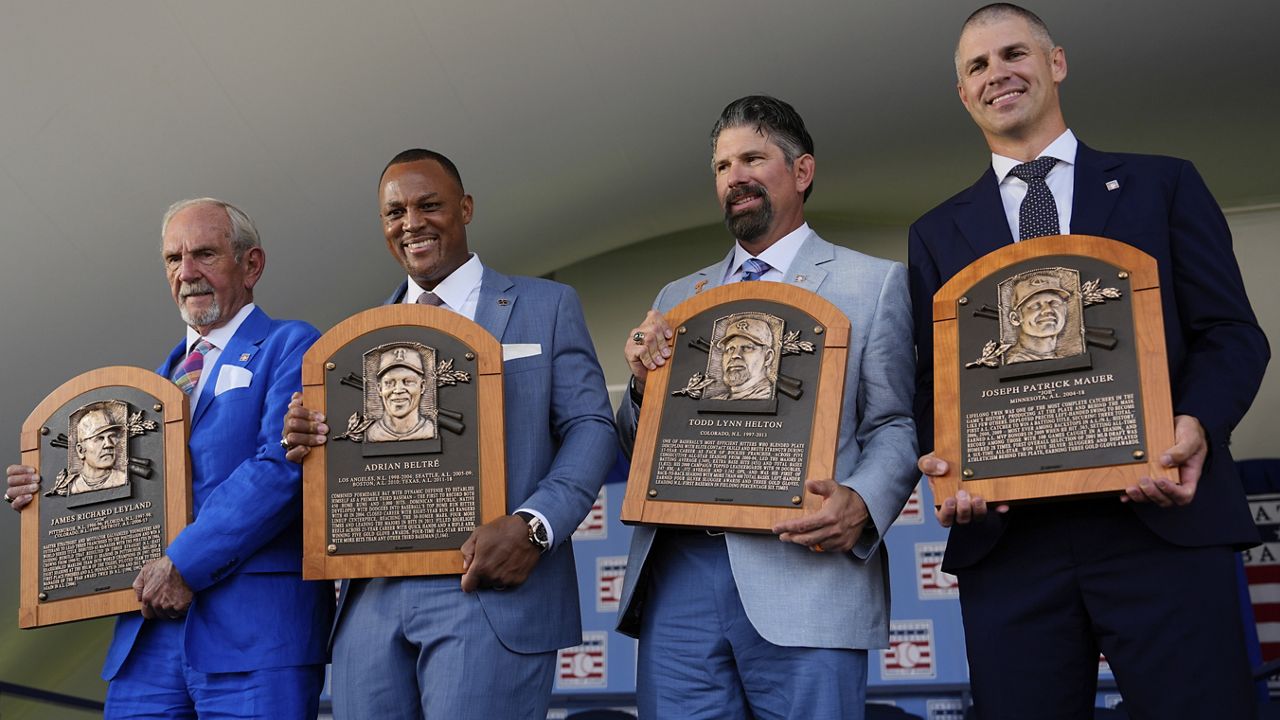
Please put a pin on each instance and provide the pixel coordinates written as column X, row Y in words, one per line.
column 239, row 351
column 497, row 298
column 1093, row 198
column 805, row 270
column 980, row 216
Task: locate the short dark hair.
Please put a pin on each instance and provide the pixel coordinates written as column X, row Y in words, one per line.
column 1001, row 10
column 418, row 154
column 772, row 118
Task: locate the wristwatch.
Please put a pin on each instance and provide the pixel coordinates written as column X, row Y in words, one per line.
column 537, row 531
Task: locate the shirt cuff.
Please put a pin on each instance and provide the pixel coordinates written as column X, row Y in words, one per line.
column 551, row 534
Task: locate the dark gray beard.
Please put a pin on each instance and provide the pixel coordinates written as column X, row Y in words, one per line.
column 749, row 226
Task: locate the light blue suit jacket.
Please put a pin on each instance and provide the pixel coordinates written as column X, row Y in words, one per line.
column 242, row 553
column 560, row 443
column 795, row 597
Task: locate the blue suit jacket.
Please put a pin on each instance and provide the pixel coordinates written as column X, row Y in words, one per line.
column 1217, row 353
column 560, row 443
column 242, row 553
column 795, row 597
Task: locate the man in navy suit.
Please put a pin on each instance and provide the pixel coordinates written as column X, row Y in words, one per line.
column 484, row 647
column 228, row 627
column 1147, row 579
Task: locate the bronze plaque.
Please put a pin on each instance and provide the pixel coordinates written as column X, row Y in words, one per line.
column 111, row 450
column 754, row 368
column 403, row 468
column 1046, row 345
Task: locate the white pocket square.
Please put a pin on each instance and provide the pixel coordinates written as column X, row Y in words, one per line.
column 515, row 351
column 232, row 377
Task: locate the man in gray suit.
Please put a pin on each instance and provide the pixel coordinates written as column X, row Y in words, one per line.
column 739, row 625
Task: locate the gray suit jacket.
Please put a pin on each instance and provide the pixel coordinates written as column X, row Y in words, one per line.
column 795, row 597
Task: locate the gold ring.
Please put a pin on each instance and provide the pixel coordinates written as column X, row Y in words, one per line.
column 816, row 547
column 637, row 337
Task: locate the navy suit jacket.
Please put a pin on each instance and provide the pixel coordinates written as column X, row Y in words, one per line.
column 1217, row 353
column 560, row 443
column 242, row 553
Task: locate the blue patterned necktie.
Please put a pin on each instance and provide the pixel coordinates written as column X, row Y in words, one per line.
column 1038, row 214
column 754, row 269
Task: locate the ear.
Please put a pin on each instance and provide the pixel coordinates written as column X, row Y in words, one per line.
column 468, row 207
column 1014, row 319
column 254, row 262
column 803, row 170
column 1058, row 64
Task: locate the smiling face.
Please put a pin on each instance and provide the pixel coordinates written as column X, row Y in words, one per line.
column 401, row 389
column 1007, row 77
column 1042, row 315
column 424, row 219
column 207, row 281
column 762, row 196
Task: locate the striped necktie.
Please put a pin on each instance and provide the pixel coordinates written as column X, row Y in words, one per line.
column 187, row 375
column 754, row 269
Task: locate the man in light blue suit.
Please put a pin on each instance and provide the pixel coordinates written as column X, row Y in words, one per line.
column 484, row 646
column 739, row 625
column 228, row 627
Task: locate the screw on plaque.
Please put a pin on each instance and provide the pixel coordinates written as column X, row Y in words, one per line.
column 963, row 300
column 330, row 366
column 44, row 430
column 818, row 329
column 795, row 499
column 1138, row 454
column 968, row 472
column 157, row 407
column 470, row 356
column 682, row 329
column 1123, row 275
column 43, row 596
column 653, row 493
column 332, row 549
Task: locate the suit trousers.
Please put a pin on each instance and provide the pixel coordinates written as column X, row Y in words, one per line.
column 701, row 658
column 156, row 682
column 419, row 647
column 1070, row 580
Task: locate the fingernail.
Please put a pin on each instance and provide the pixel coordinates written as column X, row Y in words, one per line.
column 962, row 495
column 1166, row 460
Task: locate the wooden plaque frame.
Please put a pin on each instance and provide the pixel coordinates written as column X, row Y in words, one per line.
column 639, row 508
column 32, row 612
column 1149, row 349
column 317, row 563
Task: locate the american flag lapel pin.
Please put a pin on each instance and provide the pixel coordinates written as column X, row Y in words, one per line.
column 1113, row 185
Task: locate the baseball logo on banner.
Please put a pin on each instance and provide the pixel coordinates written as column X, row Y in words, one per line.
column 609, row 572
column 585, row 665
column 1104, row 667
column 910, row 652
column 945, row 709
column 1262, row 568
column 593, row 526
column 911, row 514
column 932, row 582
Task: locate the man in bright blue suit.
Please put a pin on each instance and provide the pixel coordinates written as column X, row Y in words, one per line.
column 485, row 646
column 741, row 625
column 228, row 627
column 1151, row 581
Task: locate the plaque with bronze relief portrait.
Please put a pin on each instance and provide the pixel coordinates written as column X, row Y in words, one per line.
column 415, row 458
column 746, row 409
column 111, row 449
column 1050, row 374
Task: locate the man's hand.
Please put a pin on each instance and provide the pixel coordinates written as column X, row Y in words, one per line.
column 961, row 509
column 303, row 429
column 23, row 483
column 652, row 349
column 1187, row 455
column 161, row 590
column 498, row 555
column 836, row 526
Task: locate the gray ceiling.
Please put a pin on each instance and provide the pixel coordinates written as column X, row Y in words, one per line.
column 580, row 126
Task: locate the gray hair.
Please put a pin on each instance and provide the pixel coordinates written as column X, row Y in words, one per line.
column 1001, row 11
column 244, row 234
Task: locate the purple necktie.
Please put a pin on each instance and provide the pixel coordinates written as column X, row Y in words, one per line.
column 754, row 269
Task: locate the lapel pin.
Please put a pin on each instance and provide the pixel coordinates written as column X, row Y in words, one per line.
column 1113, row 184
column 799, row 278
column 504, row 302
column 698, row 287
column 244, row 357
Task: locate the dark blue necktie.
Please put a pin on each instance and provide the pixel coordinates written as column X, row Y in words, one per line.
column 1038, row 214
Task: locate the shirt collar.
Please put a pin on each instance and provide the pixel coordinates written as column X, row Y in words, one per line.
column 454, row 289
column 220, row 336
column 1064, row 149
column 779, row 255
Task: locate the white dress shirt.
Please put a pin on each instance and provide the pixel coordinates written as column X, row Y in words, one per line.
column 779, row 256
column 1061, row 181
